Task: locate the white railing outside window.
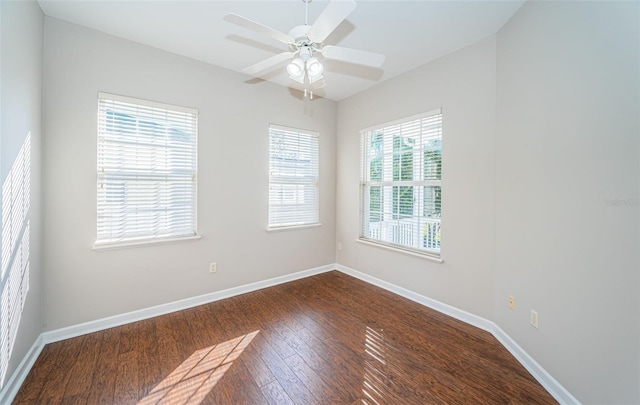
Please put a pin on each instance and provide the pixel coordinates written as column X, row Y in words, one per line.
column 422, row 235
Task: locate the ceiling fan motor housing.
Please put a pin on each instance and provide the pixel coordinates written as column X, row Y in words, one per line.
column 299, row 34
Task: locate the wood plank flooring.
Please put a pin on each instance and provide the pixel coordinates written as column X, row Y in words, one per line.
column 326, row 339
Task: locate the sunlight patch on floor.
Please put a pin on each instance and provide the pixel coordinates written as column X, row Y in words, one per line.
column 192, row 380
column 379, row 373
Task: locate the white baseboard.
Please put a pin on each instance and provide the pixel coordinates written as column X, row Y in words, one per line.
column 536, row 370
column 10, row 390
column 454, row 312
column 540, row 374
column 544, row 378
column 146, row 313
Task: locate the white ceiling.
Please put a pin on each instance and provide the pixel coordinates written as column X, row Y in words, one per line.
column 409, row 33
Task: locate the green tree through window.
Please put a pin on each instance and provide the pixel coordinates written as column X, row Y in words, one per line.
column 433, row 171
column 402, row 171
column 376, row 204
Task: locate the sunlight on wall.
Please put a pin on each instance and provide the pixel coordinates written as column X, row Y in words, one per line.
column 192, row 380
column 14, row 269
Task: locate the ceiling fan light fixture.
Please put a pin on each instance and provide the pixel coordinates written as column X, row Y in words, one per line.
column 305, row 53
column 296, row 70
column 315, row 79
column 314, row 67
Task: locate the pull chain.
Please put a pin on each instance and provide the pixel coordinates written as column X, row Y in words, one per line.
column 308, row 93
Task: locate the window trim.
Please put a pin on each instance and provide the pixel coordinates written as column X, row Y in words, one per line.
column 422, row 253
column 292, row 227
column 284, row 227
column 402, row 120
column 397, row 248
column 102, row 245
column 145, row 242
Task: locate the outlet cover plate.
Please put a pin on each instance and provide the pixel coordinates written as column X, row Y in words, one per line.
column 534, row 319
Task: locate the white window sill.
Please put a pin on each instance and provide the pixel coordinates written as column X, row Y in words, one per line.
column 148, row 242
column 292, row 227
column 425, row 255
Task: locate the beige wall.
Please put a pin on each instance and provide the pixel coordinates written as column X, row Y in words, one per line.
column 82, row 284
column 567, row 143
column 463, row 84
column 20, row 117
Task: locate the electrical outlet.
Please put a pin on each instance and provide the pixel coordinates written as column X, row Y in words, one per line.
column 534, row 319
column 512, row 303
column 339, row 245
column 212, row 268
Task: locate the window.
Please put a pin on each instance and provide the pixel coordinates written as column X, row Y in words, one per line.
column 400, row 184
column 146, row 171
column 293, row 177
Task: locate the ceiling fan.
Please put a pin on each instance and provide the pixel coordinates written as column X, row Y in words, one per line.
column 305, row 42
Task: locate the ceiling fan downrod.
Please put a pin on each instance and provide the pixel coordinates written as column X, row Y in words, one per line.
column 307, row 51
column 306, row 11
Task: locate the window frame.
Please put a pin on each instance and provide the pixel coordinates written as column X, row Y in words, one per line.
column 278, row 226
column 417, row 201
column 147, row 106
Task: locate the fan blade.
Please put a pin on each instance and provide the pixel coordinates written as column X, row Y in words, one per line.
column 329, row 19
column 355, row 56
column 268, row 63
column 259, row 28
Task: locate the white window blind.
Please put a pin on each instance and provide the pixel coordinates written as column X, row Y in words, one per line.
column 147, row 163
column 293, row 177
column 400, row 184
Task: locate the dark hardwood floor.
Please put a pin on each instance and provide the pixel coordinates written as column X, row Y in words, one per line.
column 327, row 339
